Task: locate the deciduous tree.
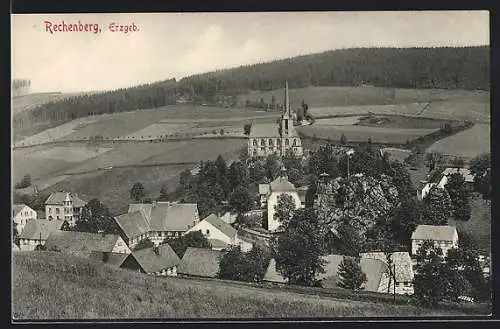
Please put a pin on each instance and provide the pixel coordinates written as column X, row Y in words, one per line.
column 137, row 192
column 284, row 209
column 192, row 239
column 437, row 208
column 240, row 200
column 459, row 195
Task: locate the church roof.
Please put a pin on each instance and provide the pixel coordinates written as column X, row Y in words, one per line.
column 270, row 130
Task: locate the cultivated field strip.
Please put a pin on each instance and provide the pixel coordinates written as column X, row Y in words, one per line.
column 466, row 144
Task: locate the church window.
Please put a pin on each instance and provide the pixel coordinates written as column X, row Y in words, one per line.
column 270, row 142
column 295, row 142
column 262, row 142
column 255, row 142
column 287, row 142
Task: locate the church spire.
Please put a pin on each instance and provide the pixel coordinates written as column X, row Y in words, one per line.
column 287, row 100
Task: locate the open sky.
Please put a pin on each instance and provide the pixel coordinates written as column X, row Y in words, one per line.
column 176, row 45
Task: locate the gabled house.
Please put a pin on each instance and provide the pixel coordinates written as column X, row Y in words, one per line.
column 402, row 269
column 64, row 206
column 156, row 221
column 37, row 231
column 21, row 214
column 220, row 234
column 159, row 260
column 269, row 194
column 465, row 172
column 84, row 243
column 199, row 262
column 375, row 270
column 443, row 236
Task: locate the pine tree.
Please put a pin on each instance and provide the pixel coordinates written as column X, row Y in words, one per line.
column 437, row 208
column 459, row 196
column 350, row 274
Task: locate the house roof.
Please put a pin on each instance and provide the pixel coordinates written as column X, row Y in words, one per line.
column 132, row 224
column 434, row 232
column 465, row 172
column 200, row 262
column 40, row 228
column 262, row 130
column 218, row 244
column 272, row 275
column 114, row 259
column 281, row 184
column 374, row 269
column 57, row 198
column 263, row 188
column 16, row 208
column 401, row 260
column 15, row 247
column 81, row 242
column 143, row 208
column 152, row 262
column 224, row 227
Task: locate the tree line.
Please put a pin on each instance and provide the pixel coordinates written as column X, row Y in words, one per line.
column 462, row 68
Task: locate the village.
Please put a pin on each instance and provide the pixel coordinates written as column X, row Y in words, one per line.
column 350, row 219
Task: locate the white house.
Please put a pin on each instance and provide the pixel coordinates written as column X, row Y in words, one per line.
column 269, row 198
column 156, row 221
column 83, row 243
column 37, row 231
column 220, row 234
column 402, row 270
column 21, row 214
column 443, row 236
column 64, row 206
column 466, row 174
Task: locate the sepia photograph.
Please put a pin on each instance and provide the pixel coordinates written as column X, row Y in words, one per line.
column 250, row 166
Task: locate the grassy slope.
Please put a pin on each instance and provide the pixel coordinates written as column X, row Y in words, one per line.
column 45, row 285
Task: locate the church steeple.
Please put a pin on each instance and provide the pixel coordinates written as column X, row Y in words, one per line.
column 287, row 101
column 285, row 115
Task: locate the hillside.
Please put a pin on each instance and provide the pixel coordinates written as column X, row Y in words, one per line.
column 45, row 285
column 442, row 68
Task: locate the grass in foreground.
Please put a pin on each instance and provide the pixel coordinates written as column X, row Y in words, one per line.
column 45, row 285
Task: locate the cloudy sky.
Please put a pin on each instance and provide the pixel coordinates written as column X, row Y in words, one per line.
column 177, row 45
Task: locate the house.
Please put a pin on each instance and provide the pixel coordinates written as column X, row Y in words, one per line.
column 156, row 221
column 220, row 234
column 15, row 247
column 159, row 260
column 64, row 206
column 375, row 270
column 83, row 243
column 21, row 214
column 270, row 193
column 199, row 262
column 465, row 172
column 266, row 139
column 402, row 269
column 113, row 259
column 37, row 231
column 425, row 190
column 229, row 218
column 443, row 236
column 256, row 236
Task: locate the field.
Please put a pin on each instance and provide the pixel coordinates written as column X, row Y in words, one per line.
column 346, row 96
column 466, row 144
column 45, row 284
column 361, row 133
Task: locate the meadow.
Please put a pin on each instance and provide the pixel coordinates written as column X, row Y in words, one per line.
column 30, row 101
column 45, row 284
column 466, row 144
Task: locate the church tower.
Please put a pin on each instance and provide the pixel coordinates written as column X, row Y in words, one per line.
column 285, row 116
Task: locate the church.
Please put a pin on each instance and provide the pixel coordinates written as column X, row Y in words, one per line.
column 278, row 138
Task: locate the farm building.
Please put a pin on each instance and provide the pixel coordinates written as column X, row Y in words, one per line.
column 220, row 234
column 199, row 262
column 403, row 270
column 21, row 214
column 113, row 259
column 156, row 221
column 158, row 260
column 266, row 139
column 83, row 243
column 64, row 205
column 443, row 236
column 466, row 174
column 269, row 194
column 375, row 270
column 37, row 231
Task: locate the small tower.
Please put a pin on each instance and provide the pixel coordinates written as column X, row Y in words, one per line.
column 68, row 209
column 285, row 116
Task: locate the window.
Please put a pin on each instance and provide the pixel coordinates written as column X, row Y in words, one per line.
column 255, row 142
column 57, row 211
column 287, row 142
column 263, row 149
column 294, row 142
column 208, row 231
column 270, row 142
column 262, row 142
column 50, row 210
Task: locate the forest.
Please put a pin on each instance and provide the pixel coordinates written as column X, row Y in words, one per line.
column 441, row 68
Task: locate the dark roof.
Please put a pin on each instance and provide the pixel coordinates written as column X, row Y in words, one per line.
column 162, row 217
column 40, row 228
column 152, row 262
column 434, row 232
column 200, row 262
column 224, row 227
column 218, row 244
column 81, row 242
column 114, row 259
column 57, row 198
